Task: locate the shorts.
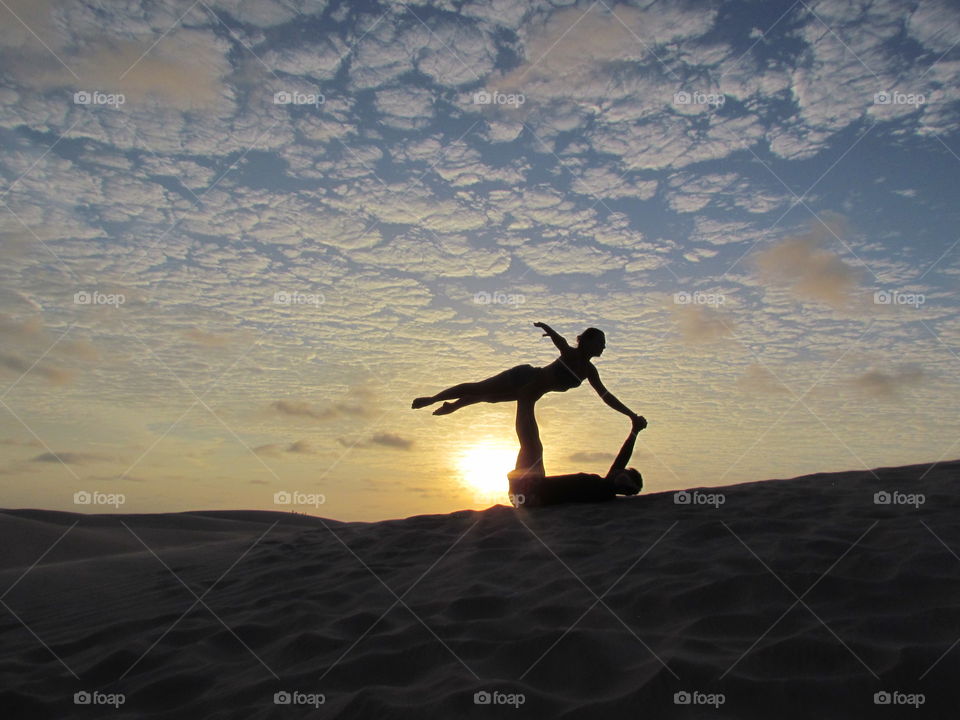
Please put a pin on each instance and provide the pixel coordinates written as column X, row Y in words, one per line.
column 520, row 375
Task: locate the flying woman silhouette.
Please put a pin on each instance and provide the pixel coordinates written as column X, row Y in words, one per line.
column 526, row 384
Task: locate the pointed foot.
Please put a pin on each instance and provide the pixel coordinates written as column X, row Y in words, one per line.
column 445, row 409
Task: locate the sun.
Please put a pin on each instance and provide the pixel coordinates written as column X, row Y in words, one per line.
column 484, row 467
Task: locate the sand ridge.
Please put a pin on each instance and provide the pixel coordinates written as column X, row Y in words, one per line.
column 794, row 598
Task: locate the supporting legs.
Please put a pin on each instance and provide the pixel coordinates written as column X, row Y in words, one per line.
column 530, row 457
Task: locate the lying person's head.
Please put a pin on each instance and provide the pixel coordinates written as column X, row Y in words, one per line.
column 592, row 341
column 628, row 481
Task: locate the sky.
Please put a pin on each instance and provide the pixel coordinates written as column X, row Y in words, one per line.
column 239, row 236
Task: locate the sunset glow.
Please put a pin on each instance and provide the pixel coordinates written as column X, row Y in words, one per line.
column 484, row 469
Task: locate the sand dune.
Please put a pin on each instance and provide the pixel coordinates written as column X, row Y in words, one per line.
column 580, row 611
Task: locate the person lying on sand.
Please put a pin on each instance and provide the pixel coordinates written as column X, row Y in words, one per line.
column 530, row 486
column 525, row 383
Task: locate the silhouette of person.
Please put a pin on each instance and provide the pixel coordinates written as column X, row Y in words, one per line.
column 527, row 384
column 530, row 486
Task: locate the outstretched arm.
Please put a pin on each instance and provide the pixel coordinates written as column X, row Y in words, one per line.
column 609, row 398
column 623, row 457
column 557, row 338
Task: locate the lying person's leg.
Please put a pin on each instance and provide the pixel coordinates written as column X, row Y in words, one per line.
column 529, row 469
column 530, row 457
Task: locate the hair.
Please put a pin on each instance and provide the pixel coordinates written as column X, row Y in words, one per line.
column 591, row 334
column 634, row 475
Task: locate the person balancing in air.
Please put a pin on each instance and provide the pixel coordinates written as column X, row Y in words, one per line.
column 525, row 383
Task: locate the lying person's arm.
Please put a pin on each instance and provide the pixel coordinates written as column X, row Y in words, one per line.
column 623, row 457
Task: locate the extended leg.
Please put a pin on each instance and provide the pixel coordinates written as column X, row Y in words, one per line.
column 449, row 407
column 502, row 387
column 449, row 394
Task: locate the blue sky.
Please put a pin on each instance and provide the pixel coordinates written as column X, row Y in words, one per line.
column 239, row 237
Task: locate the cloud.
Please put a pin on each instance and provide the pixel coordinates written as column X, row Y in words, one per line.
column 889, row 386
column 298, row 447
column 55, row 375
column 391, row 440
column 405, row 107
column 757, row 379
column 70, row 458
column 699, row 323
column 573, row 52
column 691, row 192
column 15, row 442
column 82, row 349
column 811, row 271
column 357, row 403
column 298, row 408
column 457, row 53
column 206, row 339
column 185, row 70
column 301, row 447
column 110, row 478
column 384, row 439
column 271, row 449
column 936, row 24
column 14, row 329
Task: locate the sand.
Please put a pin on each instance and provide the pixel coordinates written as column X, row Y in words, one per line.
column 610, row 610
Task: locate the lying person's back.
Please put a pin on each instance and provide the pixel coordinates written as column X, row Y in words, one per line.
column 533, row 491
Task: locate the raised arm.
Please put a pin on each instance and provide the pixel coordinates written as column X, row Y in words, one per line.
column 557, row 338
column 609, row 398
column 623, row 457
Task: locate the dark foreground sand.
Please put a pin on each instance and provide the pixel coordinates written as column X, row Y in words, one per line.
column 583, row 611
